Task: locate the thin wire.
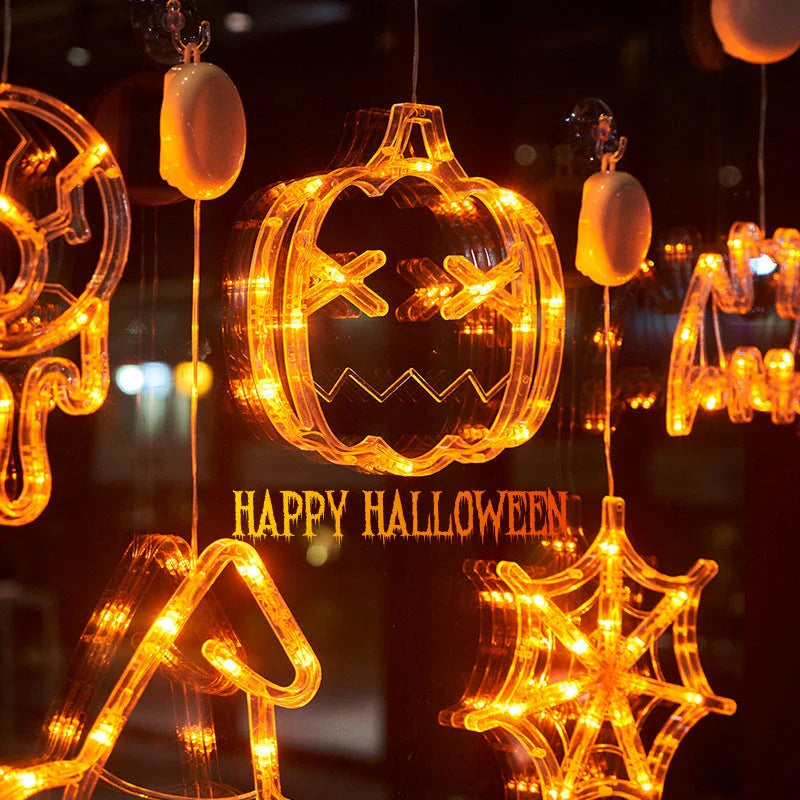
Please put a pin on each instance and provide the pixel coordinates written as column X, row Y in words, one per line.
column 146, row 400
column 795, row 337
column 762, row 126
column 572, row 390
column 701, row 345
column 195, row 356
column 141, row 459
column 154, row 287
column 6, row 40
column 723, row 361
column 151, row 794
column 607, row 427
column 415, row 60
column 559, row 464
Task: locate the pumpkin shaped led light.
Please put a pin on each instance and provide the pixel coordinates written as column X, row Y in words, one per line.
column 38, row 310
column 493, row 299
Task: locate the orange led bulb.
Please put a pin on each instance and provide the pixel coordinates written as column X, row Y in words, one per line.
column 499, row 280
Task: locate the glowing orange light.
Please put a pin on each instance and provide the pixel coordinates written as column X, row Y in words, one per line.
column 183, row 378
column 285, row 279
column 746, row 381
column 27, row 332
column 65, row 763
column 573, row 687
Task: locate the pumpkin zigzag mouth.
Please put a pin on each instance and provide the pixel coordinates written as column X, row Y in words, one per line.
column 411, row 375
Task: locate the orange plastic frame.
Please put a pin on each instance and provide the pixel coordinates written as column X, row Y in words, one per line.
column 742, row 381
column 286, row 278
column 77, row 762
column 563, row 676
column 53, row 381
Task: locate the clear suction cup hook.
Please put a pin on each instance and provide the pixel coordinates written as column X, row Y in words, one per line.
column 154, row 23
column 174, row 21
column 615, row 223
column 593, row 132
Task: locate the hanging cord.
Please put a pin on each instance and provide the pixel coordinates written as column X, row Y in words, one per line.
column 572, row 391
column 723, row 360
column 609, row 163
column 152, row 350
column 607, row 426
column 149, row 411
column 146, row 401
column 6, row 39
column 762, row 184
column 415, row 58
column 174, row 21
column 559, row 464
column 762, row 126
column 195, row 356
column 141, row 459
column 701, row 345
column 154, row 287
column 795, row 337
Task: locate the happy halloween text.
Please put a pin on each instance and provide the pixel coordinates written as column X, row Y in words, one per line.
column 391, row 515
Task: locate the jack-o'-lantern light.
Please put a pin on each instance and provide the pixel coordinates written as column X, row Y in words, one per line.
column 742, row 381
column 477, row 327
column 43, row 206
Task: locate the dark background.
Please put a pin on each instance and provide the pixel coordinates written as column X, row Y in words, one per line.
column 395, row 626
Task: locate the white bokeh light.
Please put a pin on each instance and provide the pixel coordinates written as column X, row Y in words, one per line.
column 129, row 378
column 237, row 22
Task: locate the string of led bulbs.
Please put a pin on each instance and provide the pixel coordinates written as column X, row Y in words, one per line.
column 561, row 684
column 75, row 756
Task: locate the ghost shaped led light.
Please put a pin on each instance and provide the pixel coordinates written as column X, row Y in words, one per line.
column 496, row 296
column 38, row 314
column 202, row 128
column 203, row 133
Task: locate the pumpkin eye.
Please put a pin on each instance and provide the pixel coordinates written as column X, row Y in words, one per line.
column 432, row 288
column 331, row 279
column 484, row 287
column 437, row 292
